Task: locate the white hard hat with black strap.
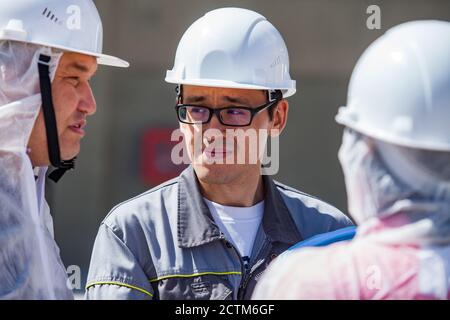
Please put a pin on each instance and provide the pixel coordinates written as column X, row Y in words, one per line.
column 233, row 48
column 399, row 91
column 68, row 26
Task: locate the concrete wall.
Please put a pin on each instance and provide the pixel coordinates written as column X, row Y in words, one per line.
column 324, row 38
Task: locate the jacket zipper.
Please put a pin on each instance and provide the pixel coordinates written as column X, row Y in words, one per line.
column 229, row 244
column 248, row 277
column 245, row 276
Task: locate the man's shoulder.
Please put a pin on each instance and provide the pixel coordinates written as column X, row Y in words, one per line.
column 306, row 199
column 311, row 210
column 140, row 206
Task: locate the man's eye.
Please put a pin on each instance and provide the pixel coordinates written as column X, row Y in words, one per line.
column 235, row 112
column 73, row 81
column 197, row 110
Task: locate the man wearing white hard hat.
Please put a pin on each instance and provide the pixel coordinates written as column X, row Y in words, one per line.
column 209, row 233
column 49, row 50
column 395, row 156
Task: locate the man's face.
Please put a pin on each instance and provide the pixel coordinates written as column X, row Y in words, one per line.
column 229, row 169
column 73, row 102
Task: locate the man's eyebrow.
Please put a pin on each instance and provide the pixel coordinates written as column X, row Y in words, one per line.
column 194, row 99
column 237, row 100
column 79, row 67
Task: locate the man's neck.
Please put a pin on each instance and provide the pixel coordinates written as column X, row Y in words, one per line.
column 246, row 191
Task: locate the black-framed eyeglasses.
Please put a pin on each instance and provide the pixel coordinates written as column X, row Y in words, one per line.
column 233, row 116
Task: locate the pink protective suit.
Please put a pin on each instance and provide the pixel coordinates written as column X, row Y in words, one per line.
column 364, row 268
column 402, row 246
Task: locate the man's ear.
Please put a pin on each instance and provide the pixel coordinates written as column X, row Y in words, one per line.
column 279, row 119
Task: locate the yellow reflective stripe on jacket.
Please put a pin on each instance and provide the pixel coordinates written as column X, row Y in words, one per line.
column 120, row 284
column 196, row 275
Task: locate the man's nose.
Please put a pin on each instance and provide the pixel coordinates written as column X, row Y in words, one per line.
column 87, row 104
column 215, row 123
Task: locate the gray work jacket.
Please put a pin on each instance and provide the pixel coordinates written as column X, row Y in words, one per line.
column 164, row 244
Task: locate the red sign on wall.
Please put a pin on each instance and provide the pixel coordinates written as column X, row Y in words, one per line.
column 156, row 163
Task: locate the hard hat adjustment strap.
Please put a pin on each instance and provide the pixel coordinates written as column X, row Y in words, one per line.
column 50, row 121
column 48, row 110
column 179, row 91
column 273, row 95
column 64, row 166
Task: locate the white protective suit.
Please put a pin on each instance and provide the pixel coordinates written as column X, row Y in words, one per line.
column 400, row 198
column 30, row 264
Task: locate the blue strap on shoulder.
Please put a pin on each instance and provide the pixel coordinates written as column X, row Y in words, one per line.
column 327, row 238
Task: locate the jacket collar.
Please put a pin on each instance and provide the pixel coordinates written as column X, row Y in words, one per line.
column 196, row 225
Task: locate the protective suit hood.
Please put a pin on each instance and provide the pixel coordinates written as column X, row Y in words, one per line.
column 31, row 266
column 379, row 192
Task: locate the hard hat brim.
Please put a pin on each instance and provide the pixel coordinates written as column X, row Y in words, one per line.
column 112, row 61
column 102, row 59
column 344, row 118
column 287, row 91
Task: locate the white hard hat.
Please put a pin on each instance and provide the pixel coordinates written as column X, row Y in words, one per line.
column 233, row 48
column 399, row 91
column 69, row 25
